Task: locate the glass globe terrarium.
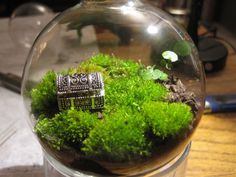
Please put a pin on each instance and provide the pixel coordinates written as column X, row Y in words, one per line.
column 113, row 88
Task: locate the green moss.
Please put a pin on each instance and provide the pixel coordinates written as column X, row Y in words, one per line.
column 115, row 67
column 167, row 119
column 119, row 137
column 44, row 99
column 182, row 48
column 132, row 92
column 70, row 126
column 49, row 130
column 134, row 106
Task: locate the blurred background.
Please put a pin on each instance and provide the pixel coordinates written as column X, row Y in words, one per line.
column 222, row 12
column 8, row 6
column 210, row 23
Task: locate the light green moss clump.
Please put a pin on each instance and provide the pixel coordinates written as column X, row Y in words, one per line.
column 70, row 126
column 167, row 119
column 44, row 96
column 120, row 136
column 134, row 106
column 132, row 93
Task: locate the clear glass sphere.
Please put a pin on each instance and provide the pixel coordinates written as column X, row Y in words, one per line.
column 113, row 88
column 27, row 21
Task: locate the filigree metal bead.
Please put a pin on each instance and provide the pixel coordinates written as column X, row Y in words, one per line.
column 82, row 91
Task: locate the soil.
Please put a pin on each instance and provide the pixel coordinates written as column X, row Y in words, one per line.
column 179, row 93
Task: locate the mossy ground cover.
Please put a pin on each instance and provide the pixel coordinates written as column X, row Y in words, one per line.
column 135, row 105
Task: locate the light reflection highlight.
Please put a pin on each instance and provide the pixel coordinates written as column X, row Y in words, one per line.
column 152, row 29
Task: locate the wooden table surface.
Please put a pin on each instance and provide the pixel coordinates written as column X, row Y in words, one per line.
column 213, row 151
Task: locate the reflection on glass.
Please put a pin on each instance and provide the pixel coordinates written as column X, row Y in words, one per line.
column 27, row 21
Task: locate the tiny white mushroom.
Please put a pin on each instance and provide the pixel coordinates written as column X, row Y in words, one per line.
column 169, row 55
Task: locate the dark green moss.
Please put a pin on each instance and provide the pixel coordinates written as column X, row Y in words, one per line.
column 182, row 48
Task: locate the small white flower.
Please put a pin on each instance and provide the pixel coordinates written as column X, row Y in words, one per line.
column 169, row 55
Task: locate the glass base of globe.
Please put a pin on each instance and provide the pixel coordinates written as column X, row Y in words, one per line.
column 175, row 168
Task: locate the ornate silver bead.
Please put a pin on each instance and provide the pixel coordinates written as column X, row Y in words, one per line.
column 82, row 91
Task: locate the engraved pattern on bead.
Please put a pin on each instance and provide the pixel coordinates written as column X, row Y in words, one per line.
column 83, row 91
